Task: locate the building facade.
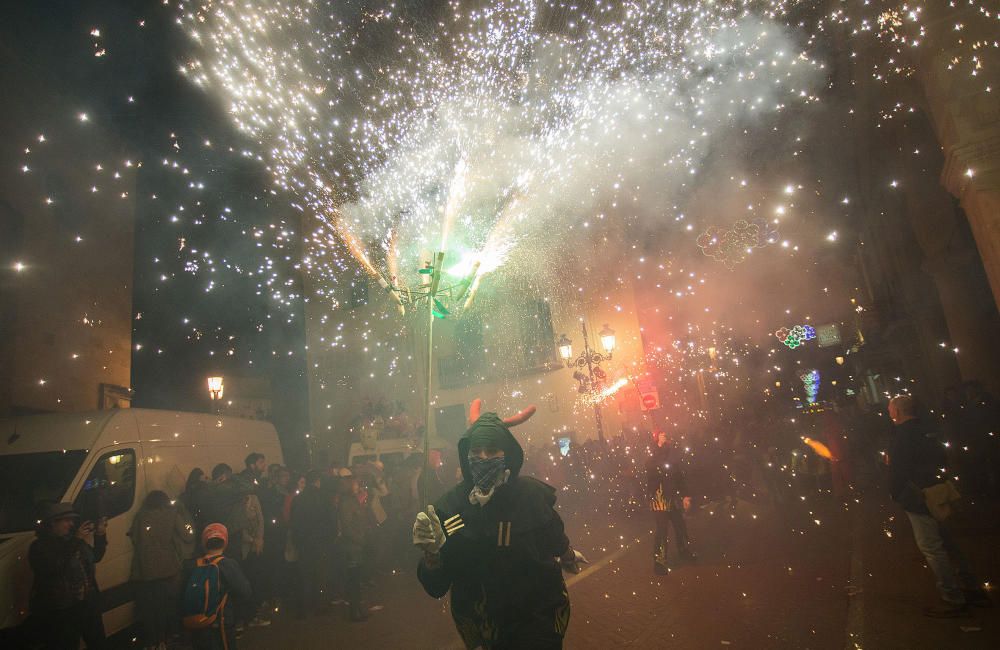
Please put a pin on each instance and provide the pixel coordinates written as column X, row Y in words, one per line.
column 66, row 254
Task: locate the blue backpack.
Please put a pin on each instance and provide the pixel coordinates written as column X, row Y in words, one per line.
column 204, row 599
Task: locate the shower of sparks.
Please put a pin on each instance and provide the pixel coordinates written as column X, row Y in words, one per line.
column 509, row 131
column 492, row 126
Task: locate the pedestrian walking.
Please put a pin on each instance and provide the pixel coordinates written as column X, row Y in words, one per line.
column 916, row 463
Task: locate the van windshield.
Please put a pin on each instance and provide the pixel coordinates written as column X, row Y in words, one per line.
column 26, row 479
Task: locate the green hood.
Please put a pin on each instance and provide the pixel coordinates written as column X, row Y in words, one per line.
column 513, row 453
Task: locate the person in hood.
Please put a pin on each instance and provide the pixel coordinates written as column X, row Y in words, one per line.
column 496, row 542
column 666, row 488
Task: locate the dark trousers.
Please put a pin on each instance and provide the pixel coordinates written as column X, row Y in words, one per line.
column 63, row 629
column 214, row 638
column 155, row 602
column 352, row 585
column 255, row 570
column 313, row 570
column 663, row 518
column 273, row 564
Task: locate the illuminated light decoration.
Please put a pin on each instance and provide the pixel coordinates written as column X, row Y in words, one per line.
column 796, row 336
column 810, row 381
column 732, row 246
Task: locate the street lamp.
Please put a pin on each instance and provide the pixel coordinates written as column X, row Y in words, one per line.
column 607, row 339
column 565, row 348
column 591, row 359
column 215, row 386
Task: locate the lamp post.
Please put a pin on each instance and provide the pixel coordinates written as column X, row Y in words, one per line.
column 591, row 359
column 215, row 387
column 438, row 298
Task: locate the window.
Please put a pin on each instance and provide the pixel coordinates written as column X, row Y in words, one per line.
column 110, row 488
column 537, row 334
column 468, row 365
column 26, row 479
column 451, row 423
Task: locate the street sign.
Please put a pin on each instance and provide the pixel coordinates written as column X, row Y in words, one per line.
column 827, row 335
column 649, row 396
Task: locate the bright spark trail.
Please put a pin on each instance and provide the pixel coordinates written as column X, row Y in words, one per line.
column 493, row 124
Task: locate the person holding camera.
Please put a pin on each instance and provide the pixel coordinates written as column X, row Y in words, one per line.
column 64, row 594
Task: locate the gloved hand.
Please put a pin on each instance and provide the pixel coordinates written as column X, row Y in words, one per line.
column 428, row 533
column 571, row 561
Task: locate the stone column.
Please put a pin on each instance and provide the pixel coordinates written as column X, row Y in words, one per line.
column 965, row 109
column 972, row 325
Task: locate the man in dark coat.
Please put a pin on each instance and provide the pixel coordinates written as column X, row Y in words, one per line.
column 64, row 595
column 497, row 543
column 314, row 529
column 666, row 488
column 917, row 461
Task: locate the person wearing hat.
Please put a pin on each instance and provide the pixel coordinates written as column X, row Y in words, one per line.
column 64, row 594
column 497, row 543
column 222, row 634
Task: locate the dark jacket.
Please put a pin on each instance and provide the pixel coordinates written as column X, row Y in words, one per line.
column 162, row 539
column 500, row 560
column 193, row 499
column 313, row 524
column 218, row 501
column 64, row 571
column 916, row 459
column 665, row 480
column 355, row 523
column 272, row 505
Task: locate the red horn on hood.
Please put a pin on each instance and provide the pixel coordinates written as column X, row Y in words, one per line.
column 474, row 410
column 521, row 417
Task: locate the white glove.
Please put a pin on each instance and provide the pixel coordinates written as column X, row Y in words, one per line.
column 572, row 563
column 428, row 533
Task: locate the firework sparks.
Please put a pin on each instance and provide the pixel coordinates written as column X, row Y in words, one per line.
column 486, row 131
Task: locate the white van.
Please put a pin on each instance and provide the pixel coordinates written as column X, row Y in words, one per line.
column 390, row 450
column 105, row 462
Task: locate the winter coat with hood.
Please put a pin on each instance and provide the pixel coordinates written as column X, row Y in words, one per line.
column 500, row 560
column 163, row 539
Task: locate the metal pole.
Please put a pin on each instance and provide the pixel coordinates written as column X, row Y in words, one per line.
column 430, row 379
column 590, row 370
column 432, row 290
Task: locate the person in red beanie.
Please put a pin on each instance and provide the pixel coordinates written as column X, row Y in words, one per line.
column 218, row 630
